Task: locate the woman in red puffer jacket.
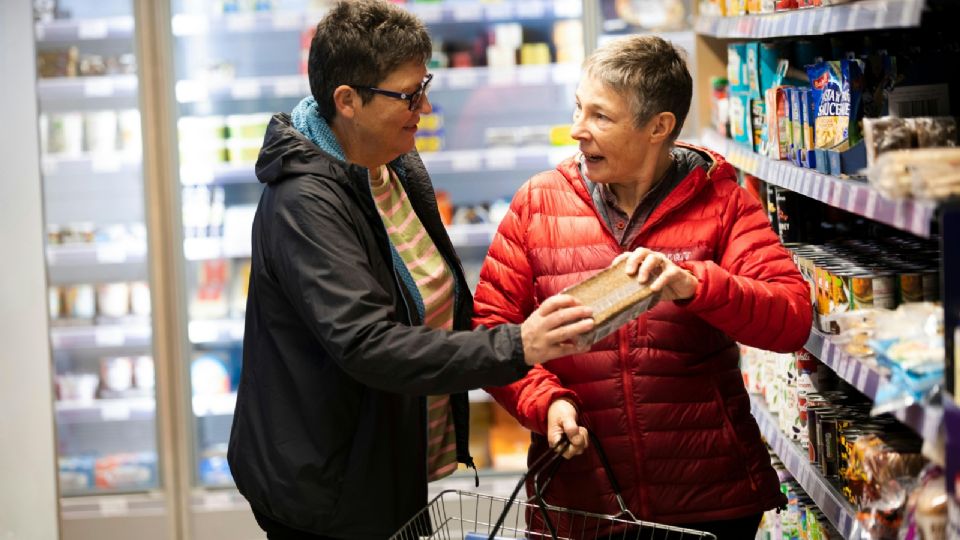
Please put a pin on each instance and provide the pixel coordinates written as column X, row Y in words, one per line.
column 664, row 393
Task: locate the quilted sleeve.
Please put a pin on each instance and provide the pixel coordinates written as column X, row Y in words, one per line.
column 505, row 294
column 755, row 294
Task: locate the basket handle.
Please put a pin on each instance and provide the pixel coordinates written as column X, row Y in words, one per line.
column 549, row 462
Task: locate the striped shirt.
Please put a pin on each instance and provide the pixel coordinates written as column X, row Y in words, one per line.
column 435, row 284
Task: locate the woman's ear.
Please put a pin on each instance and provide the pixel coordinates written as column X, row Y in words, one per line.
column 346, row 101
column 662, row 127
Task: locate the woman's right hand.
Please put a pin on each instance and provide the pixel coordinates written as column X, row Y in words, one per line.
column 562, row 422
column 551, row 331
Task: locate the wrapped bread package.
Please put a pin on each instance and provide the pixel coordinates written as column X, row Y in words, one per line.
column 616, row 299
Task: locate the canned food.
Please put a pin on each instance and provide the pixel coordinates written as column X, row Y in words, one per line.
column 815, row 441
column 910, row 285
column 930, row 284
column 829, row 464
column 884, row 290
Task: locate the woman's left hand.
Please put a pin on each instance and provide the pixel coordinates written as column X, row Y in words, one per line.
column 671, row 281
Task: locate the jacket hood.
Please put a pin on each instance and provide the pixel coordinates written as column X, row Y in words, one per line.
column 286, row 153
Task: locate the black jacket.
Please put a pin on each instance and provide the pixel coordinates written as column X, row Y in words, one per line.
column 329, row 432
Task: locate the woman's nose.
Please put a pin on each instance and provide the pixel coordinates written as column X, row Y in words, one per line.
column 425, row 106
column 578, row 131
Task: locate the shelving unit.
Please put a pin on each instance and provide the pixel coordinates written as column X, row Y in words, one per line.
column 129, row 335
column 840, row 513
column 296, row 86
column 74, row 255
column 210, row 248
column 440, row 162
column 430, row 13
column 855, row 16
column 88, row 165
column 921, row 218
column 867, row 378
column 96, row 263
column 72, row 30
column 218, row 331
column 851, row 195
column 214, row 404
column 70, row 88
column 105, row 410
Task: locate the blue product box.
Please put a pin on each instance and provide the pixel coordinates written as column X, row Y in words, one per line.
column 822, row 163
column 737, row 68
column 849, row 162
column 796, row 121
column 739, row 110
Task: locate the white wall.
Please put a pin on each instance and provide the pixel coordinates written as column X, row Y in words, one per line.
column 28, row 497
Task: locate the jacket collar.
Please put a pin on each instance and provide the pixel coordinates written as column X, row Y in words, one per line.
column 717, row 169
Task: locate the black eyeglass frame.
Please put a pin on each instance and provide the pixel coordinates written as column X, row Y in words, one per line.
column 415, row 97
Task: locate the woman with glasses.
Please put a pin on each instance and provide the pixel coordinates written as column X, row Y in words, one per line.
column 357, row 349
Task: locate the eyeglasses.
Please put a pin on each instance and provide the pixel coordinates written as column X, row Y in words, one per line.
column 415, row 98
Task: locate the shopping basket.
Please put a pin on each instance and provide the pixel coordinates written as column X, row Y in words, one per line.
column 463, row 515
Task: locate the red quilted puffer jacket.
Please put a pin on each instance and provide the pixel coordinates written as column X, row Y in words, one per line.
column 664, row 393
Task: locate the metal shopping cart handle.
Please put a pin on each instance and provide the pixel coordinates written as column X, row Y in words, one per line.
column 548, row 463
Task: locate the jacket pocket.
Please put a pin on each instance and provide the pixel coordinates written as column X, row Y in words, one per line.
column 730, row 435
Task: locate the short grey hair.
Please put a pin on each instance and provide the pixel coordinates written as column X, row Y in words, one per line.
column 360, row 42
column 650, row 72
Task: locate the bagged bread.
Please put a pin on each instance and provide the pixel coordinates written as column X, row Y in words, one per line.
column 616, row 299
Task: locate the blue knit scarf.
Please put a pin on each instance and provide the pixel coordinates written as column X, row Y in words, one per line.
column 307, row 120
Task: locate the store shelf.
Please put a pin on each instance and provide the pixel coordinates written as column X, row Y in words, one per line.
column 69, row 30
column 472, row 235
column 113, row 506
column 535, row 158
column 430, row 13
column 134, row 335
column 74, row 255
column 221, row 174
column 851, row 195
column 867, row 378
column 296, row 86
column 216, row 331
column 188, row 24
column 72, row 88
column 209, row 248
column 216, row 500
column 834, row 506
column 214, row 404
column 105, row 410
column 456, row 12
column 861, row 15
column 87, row 165
column 96, row 263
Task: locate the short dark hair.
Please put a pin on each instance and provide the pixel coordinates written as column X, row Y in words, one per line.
column 650, row 72
column 360, row 42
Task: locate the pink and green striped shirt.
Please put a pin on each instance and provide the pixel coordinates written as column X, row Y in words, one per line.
column 435, row 283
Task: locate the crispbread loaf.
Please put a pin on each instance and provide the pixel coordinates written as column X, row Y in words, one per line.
column 615, row 297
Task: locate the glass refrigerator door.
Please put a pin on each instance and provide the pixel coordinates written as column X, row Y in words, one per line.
column 505, row 75
column 96, row 249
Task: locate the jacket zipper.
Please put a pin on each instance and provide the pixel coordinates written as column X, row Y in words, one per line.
column 624, row 347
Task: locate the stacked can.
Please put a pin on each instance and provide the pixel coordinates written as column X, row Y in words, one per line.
column 856, row 274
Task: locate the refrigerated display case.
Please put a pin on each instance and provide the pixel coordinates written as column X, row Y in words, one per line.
column 108, row 448
column 503, row 93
